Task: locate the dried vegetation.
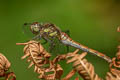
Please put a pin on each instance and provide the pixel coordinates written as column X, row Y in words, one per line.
column 4, row 67
column 40, row 59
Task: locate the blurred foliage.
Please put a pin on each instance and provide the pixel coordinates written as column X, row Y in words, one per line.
column 91, row 22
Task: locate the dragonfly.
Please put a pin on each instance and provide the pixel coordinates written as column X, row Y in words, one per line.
column 49, row 32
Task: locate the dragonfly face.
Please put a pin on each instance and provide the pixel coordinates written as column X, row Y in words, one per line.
column 35, row 27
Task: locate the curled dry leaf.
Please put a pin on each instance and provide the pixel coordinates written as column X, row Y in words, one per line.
column 82, row 66
column 59, row 58
column 116, row 60
column 57, row 73
column 4, row 66
column 9, row 75
column 70, row 74
column 114, row 74
column 39, row 57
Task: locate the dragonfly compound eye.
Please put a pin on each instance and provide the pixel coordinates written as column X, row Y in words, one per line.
column 35, row 28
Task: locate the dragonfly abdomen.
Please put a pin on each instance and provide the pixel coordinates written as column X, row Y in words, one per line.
column 65, row 39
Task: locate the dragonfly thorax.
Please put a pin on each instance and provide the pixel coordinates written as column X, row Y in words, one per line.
column 49, row 30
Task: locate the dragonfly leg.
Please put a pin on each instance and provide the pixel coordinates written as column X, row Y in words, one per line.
column 68, row 33
column 37, row 37
column 45, row 41
column 52, row 44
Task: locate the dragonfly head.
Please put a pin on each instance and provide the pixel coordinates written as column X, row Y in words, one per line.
column 35, row 27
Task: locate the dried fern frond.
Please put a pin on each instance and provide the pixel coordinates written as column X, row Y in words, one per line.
column 70, row 74
column 82, row 66
column 4, row 66
column 116, row 60
column 39, row 57
column 57, row 73
column 35, row 53
column 114, row 74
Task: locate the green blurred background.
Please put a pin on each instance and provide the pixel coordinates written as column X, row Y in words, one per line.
column 91, row 22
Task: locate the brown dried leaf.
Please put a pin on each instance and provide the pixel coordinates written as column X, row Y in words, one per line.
column 84, row 68
column 38, row 56
column 10, row 76
column 4, row 61
column 114, row 74
column 70, row 74
column 4, row 64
